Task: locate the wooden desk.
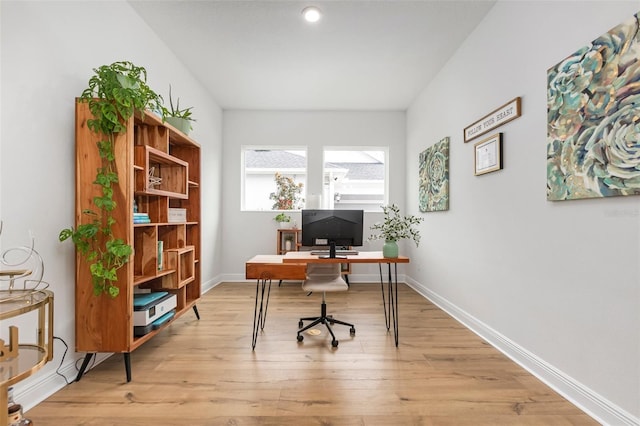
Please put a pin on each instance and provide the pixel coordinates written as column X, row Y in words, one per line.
column 293, row 265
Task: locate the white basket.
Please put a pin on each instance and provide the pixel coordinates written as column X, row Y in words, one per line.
column 177, row 215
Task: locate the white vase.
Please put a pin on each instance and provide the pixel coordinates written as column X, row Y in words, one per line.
column 287, row 245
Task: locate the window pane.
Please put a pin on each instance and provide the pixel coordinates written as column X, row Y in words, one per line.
column 354, row 179
column 260, row 165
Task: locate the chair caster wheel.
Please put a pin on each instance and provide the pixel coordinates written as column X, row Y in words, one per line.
column 300, row 337
column 300, row 324
column 352, row 331
column 334, row 343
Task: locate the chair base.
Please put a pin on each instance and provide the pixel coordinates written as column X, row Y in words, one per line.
column 325, row 319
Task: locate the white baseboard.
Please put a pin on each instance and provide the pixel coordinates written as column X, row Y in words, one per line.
column 593, row 404
column 208, row 285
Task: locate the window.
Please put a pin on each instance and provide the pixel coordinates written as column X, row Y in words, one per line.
column 354, row 178
column 260, row 165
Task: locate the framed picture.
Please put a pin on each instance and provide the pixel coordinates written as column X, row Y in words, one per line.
column 488, row 155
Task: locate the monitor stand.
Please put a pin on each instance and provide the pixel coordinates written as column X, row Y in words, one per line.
column 332, row 252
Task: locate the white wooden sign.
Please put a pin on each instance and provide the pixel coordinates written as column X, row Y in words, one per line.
column 511, row 110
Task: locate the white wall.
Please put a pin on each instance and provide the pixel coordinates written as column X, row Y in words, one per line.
column 555, row 284
column 49, row 49
column 248, row 233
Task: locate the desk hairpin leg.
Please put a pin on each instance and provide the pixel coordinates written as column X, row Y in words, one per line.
column 384, row 299
column 260, row 315
column 390, row 308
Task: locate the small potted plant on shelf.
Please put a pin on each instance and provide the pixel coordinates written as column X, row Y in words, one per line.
column 179, row 118
column 113, row 95
column 283, row 220
column 288, row 242
column 395, row 227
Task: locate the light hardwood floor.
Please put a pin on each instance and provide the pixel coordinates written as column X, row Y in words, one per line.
column 205, row 373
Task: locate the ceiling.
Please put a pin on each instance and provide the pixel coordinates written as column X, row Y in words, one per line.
column 362, row 55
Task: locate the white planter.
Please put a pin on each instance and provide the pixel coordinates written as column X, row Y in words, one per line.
column 179, row 123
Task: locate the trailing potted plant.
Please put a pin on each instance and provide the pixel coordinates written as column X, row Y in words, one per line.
column 179, row 118
column 395, row 227
column 287, row 195
column 283, row 220
column 113, row 95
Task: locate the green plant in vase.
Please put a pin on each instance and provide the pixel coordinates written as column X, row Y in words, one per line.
column 113, row 95
column 394, row 228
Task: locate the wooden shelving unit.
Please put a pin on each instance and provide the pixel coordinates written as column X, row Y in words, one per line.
column 159, row 168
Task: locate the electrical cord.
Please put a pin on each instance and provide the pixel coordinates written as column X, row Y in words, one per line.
column 66, row 349
column 64, row 355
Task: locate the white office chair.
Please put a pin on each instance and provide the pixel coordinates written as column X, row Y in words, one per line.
column 324, row 277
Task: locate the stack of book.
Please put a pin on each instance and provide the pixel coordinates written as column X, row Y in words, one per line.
column 141, row 218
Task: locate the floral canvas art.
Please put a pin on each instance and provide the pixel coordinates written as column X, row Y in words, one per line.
column 593, row 118
column 434, row 177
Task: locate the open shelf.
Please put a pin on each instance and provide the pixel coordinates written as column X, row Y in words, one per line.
column 160, row 173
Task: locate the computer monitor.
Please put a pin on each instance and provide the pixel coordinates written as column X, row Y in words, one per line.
column 332, row 227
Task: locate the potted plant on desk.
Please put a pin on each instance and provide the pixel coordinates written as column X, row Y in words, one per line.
column 395, row 227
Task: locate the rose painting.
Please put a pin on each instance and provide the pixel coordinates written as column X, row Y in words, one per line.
column 593, row 118
column 434, row 177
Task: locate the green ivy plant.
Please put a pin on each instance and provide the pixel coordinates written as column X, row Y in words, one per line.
column 113, row 94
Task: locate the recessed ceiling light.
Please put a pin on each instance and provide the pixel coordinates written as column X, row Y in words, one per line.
column 311, row 14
